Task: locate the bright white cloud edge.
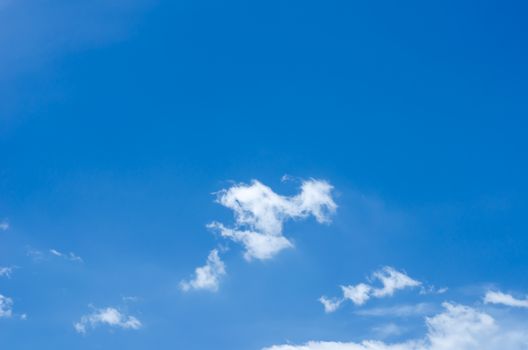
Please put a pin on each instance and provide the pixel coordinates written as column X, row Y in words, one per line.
column 206, row 277
column 391, row 281
column 110, row 317
column 498, row 297
column 458, row 327
column 260, row 214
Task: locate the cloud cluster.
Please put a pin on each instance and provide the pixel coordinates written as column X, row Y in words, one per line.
column 456, row 327
column 206, row 277
column 504, row 299
column 109, row 317
column 6, row 306
column 260, row 214
column 391, row 280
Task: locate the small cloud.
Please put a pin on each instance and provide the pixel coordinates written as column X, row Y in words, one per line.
column 38, row 255
column 107, row 317
column 6, row 271
column 505, row 299
column 69, row 256
column 391, row 280
column 55, row 252
column 206, row 277
column 6, row 307
column 330, row 305
column 424, row 290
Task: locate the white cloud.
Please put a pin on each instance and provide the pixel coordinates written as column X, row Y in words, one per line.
column 6, row 271
column 4, row 225
column 458, row 327
column 504, row 299
column 260, row 214
column 358, row 294
column 6, row 306
column 330, row 305
column 258, row 245
column 391, row 280
column 206, row 277
column 109, row 317
column 69, row 256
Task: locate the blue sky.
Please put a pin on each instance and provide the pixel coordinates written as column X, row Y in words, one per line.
column 330, row 145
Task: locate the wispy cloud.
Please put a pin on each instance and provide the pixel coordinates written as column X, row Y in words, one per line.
column 110, row 317
column 6, row 307
column 398, row 310
column 391, row 280
column 260, row 214
column 130, row 299
column 4, row 225
column 505, row 299
column 6, row 271
column 38, row 255
column 388, row 330
column 35, row 254
column 206, row 277
column 456, row 327
column 69, row 256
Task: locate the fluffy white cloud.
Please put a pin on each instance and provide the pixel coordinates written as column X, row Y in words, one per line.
column 504, row 299
column 206, row 277
column 458, row 327
column 260, row 214
column 358, row 294
column 258, row 245
column 110, row 317
column 6, row 306
column 330, row 305
column 391, row 281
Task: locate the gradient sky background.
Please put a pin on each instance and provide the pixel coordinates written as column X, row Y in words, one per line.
column 119, row 121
